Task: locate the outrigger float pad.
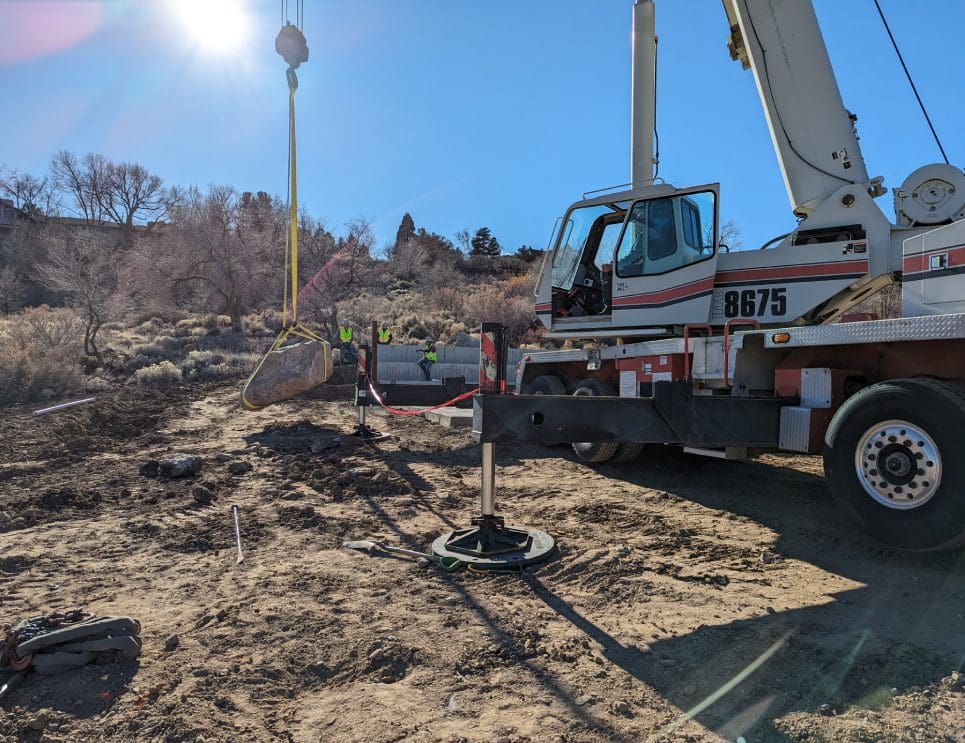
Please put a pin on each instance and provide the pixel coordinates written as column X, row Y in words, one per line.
column 367, row 433
column 489, row 545
column 288, row 372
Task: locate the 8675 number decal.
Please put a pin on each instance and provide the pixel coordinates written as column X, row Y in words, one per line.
column 755, row 302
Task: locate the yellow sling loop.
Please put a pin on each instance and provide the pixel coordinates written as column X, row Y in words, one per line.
column 294, row 328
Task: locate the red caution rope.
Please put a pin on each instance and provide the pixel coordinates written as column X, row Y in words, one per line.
column 396, row 411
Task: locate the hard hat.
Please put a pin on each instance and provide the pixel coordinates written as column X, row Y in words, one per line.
column 428, row 339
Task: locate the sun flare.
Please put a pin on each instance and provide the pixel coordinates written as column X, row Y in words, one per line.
column 217, row 26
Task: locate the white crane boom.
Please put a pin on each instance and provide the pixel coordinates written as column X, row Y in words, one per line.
column 812, row 131
column 643, row 103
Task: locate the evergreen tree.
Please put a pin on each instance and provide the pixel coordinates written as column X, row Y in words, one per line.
column 528, row 253
column 406, row 230
column 483, row 243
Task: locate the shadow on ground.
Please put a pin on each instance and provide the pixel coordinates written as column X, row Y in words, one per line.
column 901, row 630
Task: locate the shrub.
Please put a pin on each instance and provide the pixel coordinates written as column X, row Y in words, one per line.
column 167, row 342
column 186, row 327
column 39, row 352
column 149, row 327
column 254, row 326
column 271, row 320
column 151, row 350
column 158, row 375
column 493, row 304
column 228, row 340
column 206, row 366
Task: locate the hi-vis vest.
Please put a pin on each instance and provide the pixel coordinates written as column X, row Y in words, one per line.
column 385, row 335
column 429, row 353
column 345, row 334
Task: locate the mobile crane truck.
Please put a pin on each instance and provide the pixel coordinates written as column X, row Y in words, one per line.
column 719, row 352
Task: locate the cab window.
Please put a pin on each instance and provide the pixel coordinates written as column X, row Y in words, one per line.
column 666, row 234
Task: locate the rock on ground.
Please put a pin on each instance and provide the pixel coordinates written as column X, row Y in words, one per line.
column 180, row 465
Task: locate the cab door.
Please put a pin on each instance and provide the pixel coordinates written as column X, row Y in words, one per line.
column 666, row 260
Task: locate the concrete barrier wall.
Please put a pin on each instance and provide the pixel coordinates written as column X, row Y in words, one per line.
column 399, row 363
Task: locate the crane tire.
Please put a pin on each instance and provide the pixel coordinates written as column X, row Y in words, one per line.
column 892, row 457
column 595, row 452
column 627, row 452
column 546, row 384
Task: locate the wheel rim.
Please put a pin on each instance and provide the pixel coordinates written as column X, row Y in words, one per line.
column 898, row 464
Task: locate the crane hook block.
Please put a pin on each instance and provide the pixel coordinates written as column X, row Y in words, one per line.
column 291, row 45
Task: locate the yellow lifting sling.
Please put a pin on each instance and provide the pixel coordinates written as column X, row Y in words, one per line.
column 288, row 371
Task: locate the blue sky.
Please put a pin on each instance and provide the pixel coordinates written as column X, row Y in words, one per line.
column 496, row 113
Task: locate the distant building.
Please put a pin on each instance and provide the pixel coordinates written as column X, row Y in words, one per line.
column 11, row 217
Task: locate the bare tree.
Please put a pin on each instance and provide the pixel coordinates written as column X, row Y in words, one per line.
column 32, row 196
column 349, row 269
column 99, row 190
column 464, row 240
column 886, row 303
column 11, row 290
column 211, row 257
column 22, row 250
column 730, row 234
column 316, row 245
column 132, row 195
column 82, row 267
column 82, row 182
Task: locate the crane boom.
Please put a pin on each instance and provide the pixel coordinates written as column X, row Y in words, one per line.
column 812, row 131
column 643, row 97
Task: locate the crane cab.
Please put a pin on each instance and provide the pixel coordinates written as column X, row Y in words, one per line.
column 631, row 263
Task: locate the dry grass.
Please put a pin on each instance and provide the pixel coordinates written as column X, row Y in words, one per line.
column 40, row 350
column 158, row 375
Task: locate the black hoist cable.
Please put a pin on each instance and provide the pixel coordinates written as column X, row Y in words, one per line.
column 914, row 88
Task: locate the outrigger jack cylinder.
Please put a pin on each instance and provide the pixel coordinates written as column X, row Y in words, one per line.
column 489, row 544
column 363, row 399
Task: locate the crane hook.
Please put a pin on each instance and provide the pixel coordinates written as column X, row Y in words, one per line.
column 291, row 45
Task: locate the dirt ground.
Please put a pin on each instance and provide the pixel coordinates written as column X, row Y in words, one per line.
column 693, row 599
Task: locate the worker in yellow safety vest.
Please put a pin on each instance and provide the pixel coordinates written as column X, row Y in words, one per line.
column 345, row 337
column 429, row 357
column 385, row 334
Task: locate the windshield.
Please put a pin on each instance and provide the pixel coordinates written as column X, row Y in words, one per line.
column 575, row 231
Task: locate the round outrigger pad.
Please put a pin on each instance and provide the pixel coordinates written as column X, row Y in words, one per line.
column 490, row 545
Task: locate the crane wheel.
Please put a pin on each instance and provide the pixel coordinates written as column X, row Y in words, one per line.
column 595, row 452
column 892, row 456
column 627, row 452
column 546, row 384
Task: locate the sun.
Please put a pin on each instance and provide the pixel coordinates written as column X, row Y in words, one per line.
column 217, row 26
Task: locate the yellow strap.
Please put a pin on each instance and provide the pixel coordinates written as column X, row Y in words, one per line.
column 291, row 256
column 293, row 206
